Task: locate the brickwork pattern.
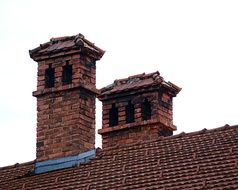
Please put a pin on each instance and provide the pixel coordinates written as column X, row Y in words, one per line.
column 132, row 135
column 84, row 71
column 139, row 130
column 66, row 108
column 65, row 124
column 136, row 90
column 65, row 115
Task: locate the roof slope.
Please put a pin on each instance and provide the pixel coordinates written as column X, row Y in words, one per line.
column 207, row 159
column 140, row 81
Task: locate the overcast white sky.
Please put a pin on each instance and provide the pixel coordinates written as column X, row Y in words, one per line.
column 193, row 44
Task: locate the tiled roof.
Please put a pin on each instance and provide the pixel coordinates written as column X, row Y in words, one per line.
column 207, row 159
column 65, row 45
column 11, row 173
column 141, row 81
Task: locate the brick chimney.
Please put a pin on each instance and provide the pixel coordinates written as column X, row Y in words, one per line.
column 137, row 108
column 66, row 91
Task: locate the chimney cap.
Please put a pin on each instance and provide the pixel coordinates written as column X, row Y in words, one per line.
column 140, row 81
column 66, row 45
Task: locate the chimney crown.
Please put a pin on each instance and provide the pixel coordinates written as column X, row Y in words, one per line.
column 62, row 46
column 138, row 83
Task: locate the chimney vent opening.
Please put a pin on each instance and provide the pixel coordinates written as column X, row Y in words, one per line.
column 130, row 113
column 146, row 110
column 113, row 116
column 67, row 74
column 50, row 77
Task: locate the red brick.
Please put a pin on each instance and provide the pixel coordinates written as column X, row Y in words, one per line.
column 160, row 115
column 63, row 106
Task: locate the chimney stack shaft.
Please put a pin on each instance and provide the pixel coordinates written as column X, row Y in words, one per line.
column 66, row 92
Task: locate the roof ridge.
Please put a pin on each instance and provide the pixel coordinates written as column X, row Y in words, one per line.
column 62, row 38
column 204, row 130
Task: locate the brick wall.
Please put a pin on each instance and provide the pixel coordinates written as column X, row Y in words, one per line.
column 160, row 123
column 66, row 113
column 135, row 134
column 84, row 71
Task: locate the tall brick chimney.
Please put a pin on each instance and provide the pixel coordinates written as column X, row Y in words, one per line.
column 66, row 91
column 137, row 108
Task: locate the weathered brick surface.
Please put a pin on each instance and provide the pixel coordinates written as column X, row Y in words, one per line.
column 136, row 89
column 84, row 71
column 160, row 108
column 66, row 115
column 161, row 113
column 131, row 135
column 65, row 124
column 65, row 110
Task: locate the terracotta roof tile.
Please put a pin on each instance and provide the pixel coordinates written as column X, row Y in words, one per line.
column 141, row 81
column 185, row 161
column 65, row 45
column 15, row 171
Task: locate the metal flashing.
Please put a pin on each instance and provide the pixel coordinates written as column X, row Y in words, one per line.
column 65, row 162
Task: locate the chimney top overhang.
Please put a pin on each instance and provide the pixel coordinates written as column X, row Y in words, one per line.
column 64, row 46
column 138, row 84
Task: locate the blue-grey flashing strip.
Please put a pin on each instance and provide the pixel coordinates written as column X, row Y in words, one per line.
column 62, row 163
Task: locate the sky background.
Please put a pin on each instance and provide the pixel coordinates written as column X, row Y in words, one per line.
column 193, row 44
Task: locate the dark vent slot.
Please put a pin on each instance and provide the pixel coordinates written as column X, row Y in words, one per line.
column 130, row 113
column 49, row 77
column 67, row 74
column 146, row 110
column 113, row 116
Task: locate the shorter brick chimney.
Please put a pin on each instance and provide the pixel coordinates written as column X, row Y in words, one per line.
column 137, row 108
column 66, row 93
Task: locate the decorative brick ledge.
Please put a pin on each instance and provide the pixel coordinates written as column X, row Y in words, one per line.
column 135, row 124
column 65, row 87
